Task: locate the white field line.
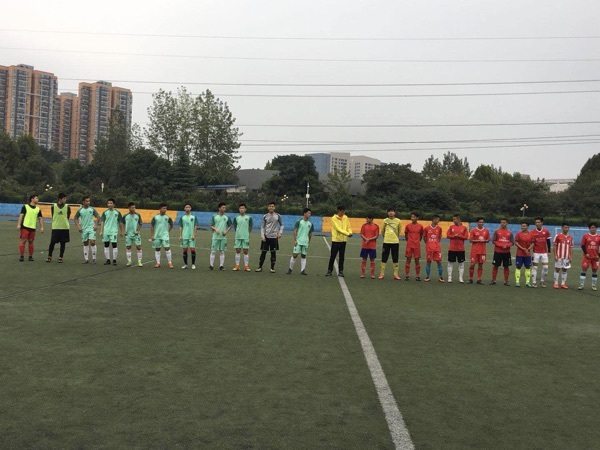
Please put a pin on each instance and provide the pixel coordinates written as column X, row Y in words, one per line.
column 396, row 425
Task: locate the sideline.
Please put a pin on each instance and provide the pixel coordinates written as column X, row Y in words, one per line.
column 396, row 425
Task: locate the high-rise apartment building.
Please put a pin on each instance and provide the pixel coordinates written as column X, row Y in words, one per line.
column 64, row 129
column 355, row 166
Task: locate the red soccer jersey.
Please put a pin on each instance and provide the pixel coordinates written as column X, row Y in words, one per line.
column 432, row 235
column 370, row 230
column 524, row 240
column 457, row 234
column 479, row 237
column 562, row 245
column 414, row 234
column 540, row 239
column 591, row 242
column 503, row 240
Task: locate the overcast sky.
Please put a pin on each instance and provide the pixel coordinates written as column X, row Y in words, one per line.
column 408, row 27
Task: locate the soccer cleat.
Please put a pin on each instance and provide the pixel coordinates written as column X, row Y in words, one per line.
column 93, row 261
column 247, row 269
column 470, row 282
column 303, row 272
column 460, row 280
column 580, row 287
column 157, row 266
column 221, row 268
column 492, row 282
column 517, row 284
column 170, row 265
column 272, row 270
column 114, row 262
column 31, row 258
column 556, row 286
column 328, row 274
column 107, row 262
column 449, row 279
column 372, row 276
column 128, row 263
column 59, row 260
column 21, row 258
column 534, row 284
column 193, row 266
column 381, row 276
column 362, row 275
column 528, row 285
column 49, row 259
column 258, row 269
column 506, row 283
column 396, row 277
column 236, row 268
column 543, row 284
column 341, row 274
column 594, row 288
column 427, row 280
column 85, row 261
column 184, row 266
column 140, row 264
column 479, row 282
column 564, row 286
column 406, row 278
column 417, row 278
column 210, row 267
column 289, row 271
column 440, row 279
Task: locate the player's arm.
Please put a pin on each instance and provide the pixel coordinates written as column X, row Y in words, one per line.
column 96, row 219
column 310, row 232
column 20, row 221
column 151, row 230
column 180, row 225
column 101, row 223
column 280, row 220
column 250, row 224
column 228, row 226
column 465, row 235
column 76, row 221
column 41, row 220
column 549, row 244
column 349, row 228
column 121, row 224
column 170, row 224
column 212, row 225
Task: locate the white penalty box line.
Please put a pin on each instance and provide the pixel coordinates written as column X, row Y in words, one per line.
column 396, row 425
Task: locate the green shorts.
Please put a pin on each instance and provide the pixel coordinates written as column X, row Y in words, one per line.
column 241, row 243
column 300, row 250
column 136, row 239
column 88, row 235
column 158, row 243
column 112, row 238
column 219, row 244
column 188, row 243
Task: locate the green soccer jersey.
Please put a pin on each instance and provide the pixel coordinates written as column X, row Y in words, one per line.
column 161, row 226
column 304, row 229
column 86, row 217
column 188, row 226
column 132, row 222
column 220, row 223
column 243, row 225
column 111, row 221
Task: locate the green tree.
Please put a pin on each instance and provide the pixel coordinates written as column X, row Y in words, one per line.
column 582, row 197
column 394, row 185
column 338, row 188
column 295, row 172
column 432, row 168
column 111, row 150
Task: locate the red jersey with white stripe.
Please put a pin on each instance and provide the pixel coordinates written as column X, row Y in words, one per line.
column 524, row 240
column 503, row 240
column 432, row 235
column 370, row 230
column 591, row 242
column 457, row 234
column 479, row 237
column 414, row 234
column 562, row 245
column 540, row 240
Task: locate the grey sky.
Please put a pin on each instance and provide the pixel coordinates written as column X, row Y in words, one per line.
column 326, row 19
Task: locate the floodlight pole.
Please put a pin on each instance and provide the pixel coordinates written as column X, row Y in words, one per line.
column 307, row 193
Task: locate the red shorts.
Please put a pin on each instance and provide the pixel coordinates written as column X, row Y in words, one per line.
column 586, row 262
column 28, row 234
column 413, row 252
column 434, row 255
column 477, row 259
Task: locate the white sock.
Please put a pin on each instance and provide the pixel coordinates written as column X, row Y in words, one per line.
column 303, row 263
column 450, row 267
column 128, row 252
column 169, row 256
column 556, row 274
column 212, row 258
column 237, row 259
column 222, row 258
column 94, row 252
column 461, row 270
column 544, row 272
column 533, row 274
column 106, row 253
column 292, row 261
column 564, row 277
column 246, row 259
column 157, row 256
column 139, row 255
column 85, row 252
column 115, row 253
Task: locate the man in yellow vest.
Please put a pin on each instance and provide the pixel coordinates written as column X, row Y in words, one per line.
column 340, row 232
column 27, row 223
column 61, row 212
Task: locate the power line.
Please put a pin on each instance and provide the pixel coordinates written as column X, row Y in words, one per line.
column 302, row 38
column 419, row 125
column 264, row 58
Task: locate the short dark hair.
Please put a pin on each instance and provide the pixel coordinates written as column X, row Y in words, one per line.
column 435, row 216
column 186, row 204
column 221, row 204
column 391, row 209
column 456, row 215
column 31, row 197
column 524, row 222
column 85, row 197
column 369, row 216
column 130, row 204
column 62, row 195
column 566, row 224
column 503, row 218
column 341, row 208
column 271, row 203
column 305, row 210
column 416, row 214
column 111, row 200
column 541, row 219
column 592, row 224
column 479, row 218
column 242, row 204
column 162, row 205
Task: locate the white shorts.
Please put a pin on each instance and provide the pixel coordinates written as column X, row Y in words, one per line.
column 562, row 263
column 540, row 258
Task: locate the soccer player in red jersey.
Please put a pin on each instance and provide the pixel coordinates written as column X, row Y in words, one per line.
column 369, row 233
column 503, row 239
column 563, row 242
column 524, row 244
column 413, row 233
column 458, row 234
column 542, row 244
column 432, row 235
column 479, row 237
column 590, row 244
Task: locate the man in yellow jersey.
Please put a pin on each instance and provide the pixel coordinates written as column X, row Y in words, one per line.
column 340, row 232
column 61, row 212
column 391, row 242
column 27, row 223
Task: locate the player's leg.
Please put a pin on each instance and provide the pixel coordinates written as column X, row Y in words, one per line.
column 292, row 261
column 594, row 275
column 86, row 251
column 138, row 249
column 115, row 252
column 373, row 255
column 495, row 264
column 428, row 258
column 51, row 248
column 274, row 245
column 22, row 249
column 408, row 255
column 461, row 267
column 106, row 251
column 507, row 264
column 157, row 247
column 385, row 254
column 395, row 251
column 363, row 262
column 238, row 255
column 185, row 255
column 563, row 279
column 128, row 252
column 303, row 262
column 480, row 268
column 30, row 248
column 192, row 248
column 528, row 271
column 168, row 254
column 534, row 269
column 518, row 265
column 93, row 249
column 440, row 268
column 335, row 248
column 246, row 260
column 544, row 269
column 557, row 272
column 450, row 265
column 342, row 255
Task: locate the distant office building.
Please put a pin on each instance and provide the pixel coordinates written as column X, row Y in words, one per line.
column 27, row 102
column 560, row 184
column 64, row 132
column 355, row 166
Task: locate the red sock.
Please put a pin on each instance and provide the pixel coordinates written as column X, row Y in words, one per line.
column 31, row 249
column 363, row 266
column 22, row 248
column 506, row 274
column 471, row 271
column 418, row 269
column 494, row 273
column 407, row 268
column 372, row 267
column 479, row 271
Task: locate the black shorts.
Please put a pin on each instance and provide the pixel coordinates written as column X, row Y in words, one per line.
column 454, row 256
column 502, row 259
column 387, row 248
column 271, row 244
column 60, row 236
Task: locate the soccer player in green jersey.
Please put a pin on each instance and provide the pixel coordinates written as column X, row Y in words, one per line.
column 243, row 228
column 160, row 227
column 220, row 224
column 85, row 220
column 133, row 226
column 188, row 224
column 111, row 225
column 303, row 230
